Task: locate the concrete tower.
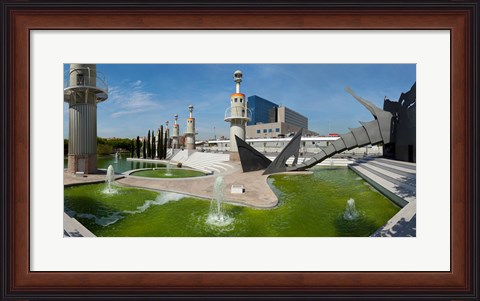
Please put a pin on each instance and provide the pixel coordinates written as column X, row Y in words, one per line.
column 190, row 132
column 176, row 132
column 237, row 115
column 84, row 88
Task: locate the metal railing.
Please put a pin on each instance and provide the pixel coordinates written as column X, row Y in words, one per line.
column 85, row 77
column 238, row 112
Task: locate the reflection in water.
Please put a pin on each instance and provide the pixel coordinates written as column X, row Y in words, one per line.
column 120, row 163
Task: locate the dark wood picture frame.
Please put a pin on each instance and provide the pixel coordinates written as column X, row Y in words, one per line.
column 18, row 18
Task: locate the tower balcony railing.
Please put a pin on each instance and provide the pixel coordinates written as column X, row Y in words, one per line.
column 84, row 78
column 238, row 113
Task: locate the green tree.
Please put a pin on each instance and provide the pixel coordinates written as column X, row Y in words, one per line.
column 153, row 146
column 65, row 147
column 104, row 149
column 138, row 146
column 132, row 148
column 148, row 144
column 144, row 144
column 160, row 143
column 165, row 144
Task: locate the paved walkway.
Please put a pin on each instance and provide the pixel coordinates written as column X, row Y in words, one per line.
column 72, row 179
column 257, row 191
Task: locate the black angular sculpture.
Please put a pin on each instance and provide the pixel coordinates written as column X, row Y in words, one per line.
column 373, row 132
column 250, row 158
column 292, row 149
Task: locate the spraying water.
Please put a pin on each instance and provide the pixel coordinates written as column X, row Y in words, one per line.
column 351, row 212
column 116, row 157
column 169, row 171
column 110, row 177
column 217, row 216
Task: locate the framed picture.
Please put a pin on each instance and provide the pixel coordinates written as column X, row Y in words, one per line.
column 39, row 41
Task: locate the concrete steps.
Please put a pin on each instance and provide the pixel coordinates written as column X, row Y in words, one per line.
column 73, row 228
column 327, row 162
column 208, row 162
column 389, row 178
column 397, row 181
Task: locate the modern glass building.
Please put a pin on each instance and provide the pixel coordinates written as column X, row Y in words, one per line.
column 262, row 110
column 269, row 120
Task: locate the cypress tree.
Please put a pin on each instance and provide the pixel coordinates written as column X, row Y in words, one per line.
column 165, row 144
column 144, row 144
column 160, row 143
column 153, row 146
column 132, row 147
column 138, row 147
column 148, row 144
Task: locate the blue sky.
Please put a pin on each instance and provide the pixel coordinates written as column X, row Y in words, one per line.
column 142, row 97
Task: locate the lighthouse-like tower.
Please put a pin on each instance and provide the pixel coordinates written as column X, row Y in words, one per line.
column 176, row 132
column 84, row 87
column 190, row 132
column 237, row 115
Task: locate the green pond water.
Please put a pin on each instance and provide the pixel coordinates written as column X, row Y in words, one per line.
column 310, row 206
column 120, row 165
column 172, row 173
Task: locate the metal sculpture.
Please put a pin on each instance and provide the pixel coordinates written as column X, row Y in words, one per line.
column 373, row 132
column 250, row 158
column 292, row 149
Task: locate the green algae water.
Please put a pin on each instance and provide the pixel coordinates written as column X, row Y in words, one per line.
column 309, row 206
column 171, row 173
column 120, row 164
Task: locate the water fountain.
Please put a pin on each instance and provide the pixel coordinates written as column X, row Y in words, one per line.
column 109, row 178
column 168, row 171
column 216, row 215
column 351, row 212
column 116, row 157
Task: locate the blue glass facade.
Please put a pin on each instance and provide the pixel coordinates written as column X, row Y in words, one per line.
column 261, row 110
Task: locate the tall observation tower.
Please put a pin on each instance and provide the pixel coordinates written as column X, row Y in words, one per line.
column 190, row 131
column 84, row 87
column 237, row 115
column 176, row 132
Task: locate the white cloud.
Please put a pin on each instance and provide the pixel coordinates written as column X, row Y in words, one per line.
column 126, row 101
column 136, row 84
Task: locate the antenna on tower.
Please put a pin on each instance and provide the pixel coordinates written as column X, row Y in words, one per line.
column 237, row 78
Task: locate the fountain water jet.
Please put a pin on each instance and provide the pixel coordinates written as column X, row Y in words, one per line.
column 116, row 157
column 351, row 212
column 216, row 215
column 168, row 172
column 109, row 178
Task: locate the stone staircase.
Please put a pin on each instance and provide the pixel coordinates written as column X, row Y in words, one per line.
column 207, row 162
column 328, row 162
column 397, row 181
